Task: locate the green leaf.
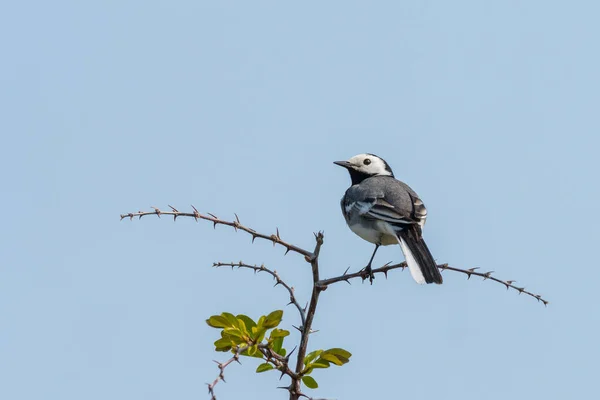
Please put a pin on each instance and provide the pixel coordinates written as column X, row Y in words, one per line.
column 279, row 333
column 259, row 330
column 223, row 344
column 233, row 336
column 340, row 352
column 334, row 359
column 276, row 344
column 336, row 356
column 233, row 321
column 218, row 321
column 248, row 322
column 232, row 332
column 310, row 382
column 311, row 356
column 273, row 319
column 320, row 363
column 263, row 367
column 252, row 351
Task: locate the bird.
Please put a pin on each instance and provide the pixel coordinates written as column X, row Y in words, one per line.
column 385, row 211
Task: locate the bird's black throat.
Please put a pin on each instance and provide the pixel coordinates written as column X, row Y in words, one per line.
column 357, row 176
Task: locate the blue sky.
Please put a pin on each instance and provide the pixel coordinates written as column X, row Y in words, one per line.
column 489, row 110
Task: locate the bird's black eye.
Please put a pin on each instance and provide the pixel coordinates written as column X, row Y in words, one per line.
column 367, row 161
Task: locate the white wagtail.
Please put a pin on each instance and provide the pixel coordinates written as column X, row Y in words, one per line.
column 382, row 210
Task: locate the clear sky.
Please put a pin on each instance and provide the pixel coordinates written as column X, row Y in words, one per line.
column 489, row 110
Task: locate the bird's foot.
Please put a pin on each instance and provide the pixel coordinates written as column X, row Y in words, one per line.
column 367, row 272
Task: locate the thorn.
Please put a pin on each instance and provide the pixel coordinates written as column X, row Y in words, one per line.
column 278, row 237
column 253, row 237
column 156, row 211
column 287, row 250
column 291, row 352
column 385, row 273
column 510, row 282
column 487, row 275
column 173, row 208
column 346, row 271
column 237, row 219
column 299, row 328
column 520, row 289
column 196, row 213
column 213, row 215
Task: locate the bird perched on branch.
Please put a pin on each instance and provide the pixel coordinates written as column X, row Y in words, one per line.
column 384, row 211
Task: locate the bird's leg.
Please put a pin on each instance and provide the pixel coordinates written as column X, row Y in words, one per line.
column 368, row 271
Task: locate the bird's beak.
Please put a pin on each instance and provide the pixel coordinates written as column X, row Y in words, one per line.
column 344, row 164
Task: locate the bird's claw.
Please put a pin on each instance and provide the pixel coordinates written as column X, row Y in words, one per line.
column 367, row 272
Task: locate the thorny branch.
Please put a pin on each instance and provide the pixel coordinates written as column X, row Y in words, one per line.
column 274, row 238
column 295, row 391
column 280, row 362
column 469, row 272
column 222, row 366
column 275, row 276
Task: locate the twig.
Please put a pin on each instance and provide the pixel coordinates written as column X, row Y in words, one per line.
column 278, row 280
column 274, row 238
column 280, row 362
column 469, row 272
column 222, row 366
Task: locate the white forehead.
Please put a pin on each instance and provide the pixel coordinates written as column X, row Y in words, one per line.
column 376, row 166
column 360, row 158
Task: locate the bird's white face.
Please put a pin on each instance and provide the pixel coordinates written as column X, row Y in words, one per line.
column 369, row 164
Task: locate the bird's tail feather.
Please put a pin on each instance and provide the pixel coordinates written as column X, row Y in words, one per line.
column 421, row 264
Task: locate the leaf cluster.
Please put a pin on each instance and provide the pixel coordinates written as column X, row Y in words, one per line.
column 241, row 330
column 322, row 359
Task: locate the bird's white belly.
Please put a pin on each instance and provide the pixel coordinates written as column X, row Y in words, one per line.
column 375, row 234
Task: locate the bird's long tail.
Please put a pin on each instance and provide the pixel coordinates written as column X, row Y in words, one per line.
column 421, row 264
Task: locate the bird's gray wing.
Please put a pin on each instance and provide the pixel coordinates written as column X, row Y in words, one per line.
column 387, row 199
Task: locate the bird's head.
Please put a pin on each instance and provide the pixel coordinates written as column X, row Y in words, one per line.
column 363, row 166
